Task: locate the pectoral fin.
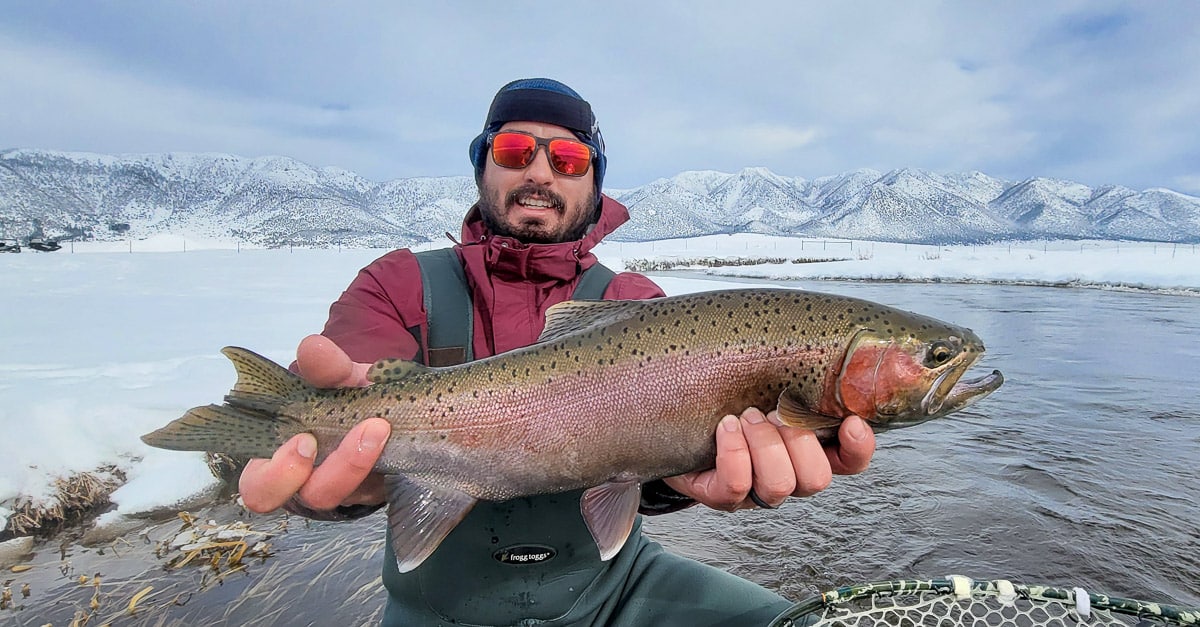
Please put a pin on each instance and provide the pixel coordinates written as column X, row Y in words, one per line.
column 420, row 517
column 795, row 413
column 609, row 510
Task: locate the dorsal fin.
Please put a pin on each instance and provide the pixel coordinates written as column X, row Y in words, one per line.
column 389, row 370
column 571, row 316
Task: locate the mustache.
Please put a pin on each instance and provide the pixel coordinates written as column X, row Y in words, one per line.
column 535, row 191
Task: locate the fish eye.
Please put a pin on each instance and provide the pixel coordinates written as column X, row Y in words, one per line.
column 939, row 353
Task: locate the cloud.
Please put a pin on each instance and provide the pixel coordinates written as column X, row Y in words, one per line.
column 1187, row 183
column 1099, row 92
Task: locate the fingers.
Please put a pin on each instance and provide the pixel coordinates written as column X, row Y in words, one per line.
column 725, row 486
column 811, row 468
column 757, row 453
column 855, row 447
column 343, row 478
column 347, row 467
column 266, row 484
column 323, row 364
column 753, row 453
column 775, row 473
column 733, row 477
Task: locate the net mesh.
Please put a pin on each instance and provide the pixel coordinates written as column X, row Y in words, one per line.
column 960, row 601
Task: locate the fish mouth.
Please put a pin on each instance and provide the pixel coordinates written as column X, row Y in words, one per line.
column 939, row 401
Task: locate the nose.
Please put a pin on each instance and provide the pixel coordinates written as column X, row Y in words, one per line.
column 539, row 170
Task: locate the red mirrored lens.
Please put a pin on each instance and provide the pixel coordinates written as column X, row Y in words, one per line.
column 517, row 150
column 570, row 157
column 513, row 150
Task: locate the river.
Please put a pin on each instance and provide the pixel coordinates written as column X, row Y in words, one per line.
column 1082, row 470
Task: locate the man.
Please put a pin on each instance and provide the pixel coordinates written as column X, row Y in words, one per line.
column 539, row 165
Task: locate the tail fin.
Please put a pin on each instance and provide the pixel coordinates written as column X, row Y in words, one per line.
column 249, row 424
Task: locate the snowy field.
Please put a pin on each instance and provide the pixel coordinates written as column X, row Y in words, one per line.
column 104, row 342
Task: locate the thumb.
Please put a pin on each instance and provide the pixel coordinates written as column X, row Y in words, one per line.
column 324, row 364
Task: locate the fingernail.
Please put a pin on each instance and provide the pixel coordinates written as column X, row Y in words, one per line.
column 307, row 447
column 856, row 430
column 729, row 423
column 373, row 437
column 753, row 416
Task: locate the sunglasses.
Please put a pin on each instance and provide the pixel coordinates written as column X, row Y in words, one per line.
column 514, row 149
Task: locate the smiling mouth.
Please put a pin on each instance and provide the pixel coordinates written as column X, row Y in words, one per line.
column 536, row 203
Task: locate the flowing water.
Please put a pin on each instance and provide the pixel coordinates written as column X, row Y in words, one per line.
column 1081, row 471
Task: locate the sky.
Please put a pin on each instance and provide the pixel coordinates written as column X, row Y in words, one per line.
column 1097, row 92
column 145, row 348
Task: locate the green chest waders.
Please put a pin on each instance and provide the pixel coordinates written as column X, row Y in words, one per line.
column 522, row 561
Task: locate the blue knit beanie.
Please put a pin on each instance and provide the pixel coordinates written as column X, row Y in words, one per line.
column 547, row 101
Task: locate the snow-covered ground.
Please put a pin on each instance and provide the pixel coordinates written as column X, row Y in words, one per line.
column 100, row 343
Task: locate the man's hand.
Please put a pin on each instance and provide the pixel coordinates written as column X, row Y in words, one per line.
column 344, row 477
column 755, row 453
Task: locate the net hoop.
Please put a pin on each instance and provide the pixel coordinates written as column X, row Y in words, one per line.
column 894, row 602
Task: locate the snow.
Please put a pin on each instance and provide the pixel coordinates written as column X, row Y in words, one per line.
column 105, row 342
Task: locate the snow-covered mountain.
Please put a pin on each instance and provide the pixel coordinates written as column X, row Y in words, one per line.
column 276, row 201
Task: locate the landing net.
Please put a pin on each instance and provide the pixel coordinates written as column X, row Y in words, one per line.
column 958, row 600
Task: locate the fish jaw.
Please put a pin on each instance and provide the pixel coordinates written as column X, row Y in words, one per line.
column 964, row 392
column 900, row 382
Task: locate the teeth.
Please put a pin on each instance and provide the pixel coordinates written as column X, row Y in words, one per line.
column 535, row 202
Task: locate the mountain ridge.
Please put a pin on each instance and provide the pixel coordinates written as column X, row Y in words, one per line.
column 278, row 201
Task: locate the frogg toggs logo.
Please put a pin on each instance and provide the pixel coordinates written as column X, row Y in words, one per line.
column 525, row 554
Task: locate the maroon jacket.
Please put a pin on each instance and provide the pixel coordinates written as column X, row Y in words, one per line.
column 512, row 285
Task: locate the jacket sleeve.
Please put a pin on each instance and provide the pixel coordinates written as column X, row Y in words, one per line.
column 376, row 316
column 657, row 496
column 632, row 286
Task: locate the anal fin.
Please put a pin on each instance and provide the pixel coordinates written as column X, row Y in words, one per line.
column 420, row 517
column 609, row 510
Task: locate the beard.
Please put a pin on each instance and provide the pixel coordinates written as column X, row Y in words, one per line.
column 573, row 224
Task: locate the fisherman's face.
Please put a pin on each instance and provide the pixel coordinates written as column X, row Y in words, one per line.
column 536, row 204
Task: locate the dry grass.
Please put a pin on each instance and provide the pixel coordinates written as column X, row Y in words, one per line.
column 218, row 566
column 221, row 565
column 653, row 265
column 75, row 499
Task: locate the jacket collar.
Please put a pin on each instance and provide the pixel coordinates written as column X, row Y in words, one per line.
column 511, row 259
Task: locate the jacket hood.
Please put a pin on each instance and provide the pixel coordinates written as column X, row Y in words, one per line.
column 513, row 259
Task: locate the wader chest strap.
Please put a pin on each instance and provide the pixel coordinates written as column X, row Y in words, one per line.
column 450, row 317
column 593, row 282
column 445, row 291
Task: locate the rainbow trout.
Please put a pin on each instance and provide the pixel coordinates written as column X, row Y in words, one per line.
column 615, row 393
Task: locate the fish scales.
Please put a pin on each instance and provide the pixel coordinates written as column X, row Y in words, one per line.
column 621, row 392
column 523, row 412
